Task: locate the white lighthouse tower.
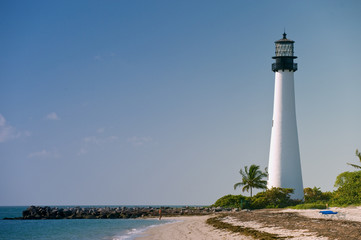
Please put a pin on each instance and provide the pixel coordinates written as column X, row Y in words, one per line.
column 284, row 165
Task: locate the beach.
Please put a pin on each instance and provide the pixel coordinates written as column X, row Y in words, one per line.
column 280, row 223
column 244, row 225
column 194, row 227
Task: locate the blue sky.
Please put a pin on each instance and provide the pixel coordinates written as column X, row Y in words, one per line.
column 162, row 102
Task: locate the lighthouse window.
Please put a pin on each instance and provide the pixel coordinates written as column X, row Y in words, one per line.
column 284, row 49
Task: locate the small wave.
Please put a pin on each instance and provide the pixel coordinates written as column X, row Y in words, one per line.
column 130, row 234
column 134, row 233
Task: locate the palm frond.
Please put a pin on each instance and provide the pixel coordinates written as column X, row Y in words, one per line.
column 243, row 174
column 354, row 165
column 245, row 188
column 266, row 171
column 237, row 185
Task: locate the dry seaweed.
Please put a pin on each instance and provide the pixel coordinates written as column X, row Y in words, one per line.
column 217, row 223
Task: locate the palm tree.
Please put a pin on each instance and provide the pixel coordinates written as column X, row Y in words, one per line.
column 358, row 154
column 251, row 178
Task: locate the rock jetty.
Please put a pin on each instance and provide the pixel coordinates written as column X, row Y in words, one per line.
column 36, row 212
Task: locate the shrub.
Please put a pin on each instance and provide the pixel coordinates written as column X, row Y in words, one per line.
column 349, row 188
column 232, row 201
column 274, row 198
column 313, row 195
column 271, row 198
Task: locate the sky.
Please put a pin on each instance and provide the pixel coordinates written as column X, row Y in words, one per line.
column 162, row 102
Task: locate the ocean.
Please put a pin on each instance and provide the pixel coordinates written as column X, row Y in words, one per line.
column 71, row 229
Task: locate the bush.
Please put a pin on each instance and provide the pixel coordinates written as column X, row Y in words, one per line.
column 349, row 188
column 232, row 201
column 271, row 198
column 274, row 198
column 313, row 195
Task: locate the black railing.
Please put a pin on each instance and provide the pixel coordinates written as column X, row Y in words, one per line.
column 284, row 66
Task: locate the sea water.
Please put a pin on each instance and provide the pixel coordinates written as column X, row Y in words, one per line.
column 70, row 229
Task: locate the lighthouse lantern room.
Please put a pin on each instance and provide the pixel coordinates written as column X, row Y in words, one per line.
column 284, row 55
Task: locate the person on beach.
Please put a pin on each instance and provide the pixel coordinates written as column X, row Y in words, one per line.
column 160, row 214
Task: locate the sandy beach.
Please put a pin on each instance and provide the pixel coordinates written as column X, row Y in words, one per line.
column 284, row 223
column 194, row 227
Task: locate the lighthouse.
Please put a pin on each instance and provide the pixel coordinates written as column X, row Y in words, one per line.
column 284, row 167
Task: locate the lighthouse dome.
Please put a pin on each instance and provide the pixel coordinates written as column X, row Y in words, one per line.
column 284, row 39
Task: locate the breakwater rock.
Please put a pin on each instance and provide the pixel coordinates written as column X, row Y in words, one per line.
column 34, row 212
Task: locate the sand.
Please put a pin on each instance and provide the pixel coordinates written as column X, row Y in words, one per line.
column 194, row 227
column 287, row 223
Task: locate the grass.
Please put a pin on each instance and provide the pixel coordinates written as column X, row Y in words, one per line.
column 310, row 206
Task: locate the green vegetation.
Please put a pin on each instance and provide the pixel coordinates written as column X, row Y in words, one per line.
column 349, row 189
column 271, row 198
column 315, row 199
column 232, row 201
column 315, row 195
column 252, row 178
column 310, row 206
column 348, row 192
column 274, row 198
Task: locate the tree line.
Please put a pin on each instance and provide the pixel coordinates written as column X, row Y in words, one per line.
column 348, row 191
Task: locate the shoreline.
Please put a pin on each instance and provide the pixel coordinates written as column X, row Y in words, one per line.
column 189, row 227
column 275, row 223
